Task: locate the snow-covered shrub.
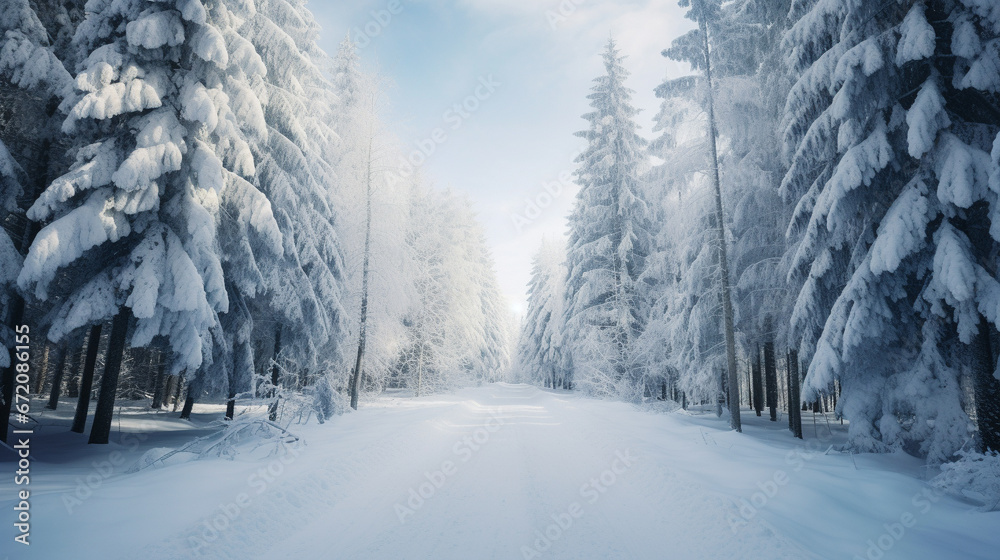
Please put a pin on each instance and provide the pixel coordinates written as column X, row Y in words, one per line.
column 975, row 476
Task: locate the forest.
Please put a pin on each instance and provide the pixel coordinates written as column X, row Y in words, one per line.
column 216, row 244
column 200, row 203
column 810, row 229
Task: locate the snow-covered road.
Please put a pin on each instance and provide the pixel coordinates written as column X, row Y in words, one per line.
column 508, row 472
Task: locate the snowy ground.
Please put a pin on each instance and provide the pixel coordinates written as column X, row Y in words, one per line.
column 502, row 471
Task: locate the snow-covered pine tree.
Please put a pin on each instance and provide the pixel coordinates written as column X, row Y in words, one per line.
column 135, row 219
column 748, row 73
column 498, row 332
column 892, row 136
column 11, row 177
column 540, row 348
column 295, row 301
column 683, row 344
column 698, row 49
column 609, row 241
column 33, row 82
column 451, row 326
column 372, row 226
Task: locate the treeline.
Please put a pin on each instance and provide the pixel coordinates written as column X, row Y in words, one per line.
column 198, row 202
column 813, row 224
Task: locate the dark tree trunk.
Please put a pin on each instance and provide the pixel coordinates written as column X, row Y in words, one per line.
column 43, row 370
column 73, row 385
column 987, row 389
column 795, row 394
column 231, row 408
column 749, row 385
column 771, row 376
column 168, row 390
column 16, row 316
column 103, row 414
column 188, row 403
column 87, row 380
column 788, row 391
column 758, row 383
column 732, row 375
column 272, row 412
column 366, row 261
column 177, row 391
column 57, row 377
column 158, row 388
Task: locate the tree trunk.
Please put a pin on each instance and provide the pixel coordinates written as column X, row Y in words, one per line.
column 16, row 316
column 758, row 383
column 103, row 414
column 188, row 403
column 363, row 329
column 73, row 385
column 771, row 375
column 57, row 376
column 178, row 387
column 158, row 389
column 420, row 366
column 87, row 380
column 272, row 412
column 168, row 390
column 720, row 397
column 231, row 408
column 43, row 370
column 720, row 225
column 788, row 390
column 987, row 389
column 794, row 394
column 749, row 385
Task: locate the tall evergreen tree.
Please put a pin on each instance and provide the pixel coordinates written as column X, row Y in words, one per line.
column 889, row 132
column 609, row 240
column 33, row 83
column 540, row 346
column 135, row 219
column 298, row 298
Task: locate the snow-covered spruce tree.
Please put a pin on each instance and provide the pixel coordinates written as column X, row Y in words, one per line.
column 295, row 301
column 452, row 338
column 372, row 227
column 682, row 343
column 891, row 132
column 135, row 219
column 729, row 24
column 609, row 240
column 748, row 75
column 33, row 82
column 492, row 358
column 540, row 349
column 11, row 177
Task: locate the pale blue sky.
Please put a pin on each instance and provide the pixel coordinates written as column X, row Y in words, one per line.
column 543, row 54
